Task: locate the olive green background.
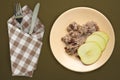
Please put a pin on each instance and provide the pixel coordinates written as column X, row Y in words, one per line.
column 48, row 68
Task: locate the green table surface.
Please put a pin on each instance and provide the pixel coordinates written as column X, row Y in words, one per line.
column 48, row 68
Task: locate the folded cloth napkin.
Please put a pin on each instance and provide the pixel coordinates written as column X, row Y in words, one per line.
column 24, row 48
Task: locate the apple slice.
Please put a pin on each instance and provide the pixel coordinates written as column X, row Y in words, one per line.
column 102, row 34
column 98, row 39
column 89, row 52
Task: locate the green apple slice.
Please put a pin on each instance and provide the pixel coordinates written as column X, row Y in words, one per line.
column 89, row 52
column 102, row 34
column 98, row 39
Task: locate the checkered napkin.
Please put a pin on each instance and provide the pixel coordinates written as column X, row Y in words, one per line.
column 24, row 48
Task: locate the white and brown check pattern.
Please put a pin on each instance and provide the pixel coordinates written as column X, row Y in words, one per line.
column 24, row 48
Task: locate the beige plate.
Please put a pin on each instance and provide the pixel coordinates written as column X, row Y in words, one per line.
column 81, row 15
